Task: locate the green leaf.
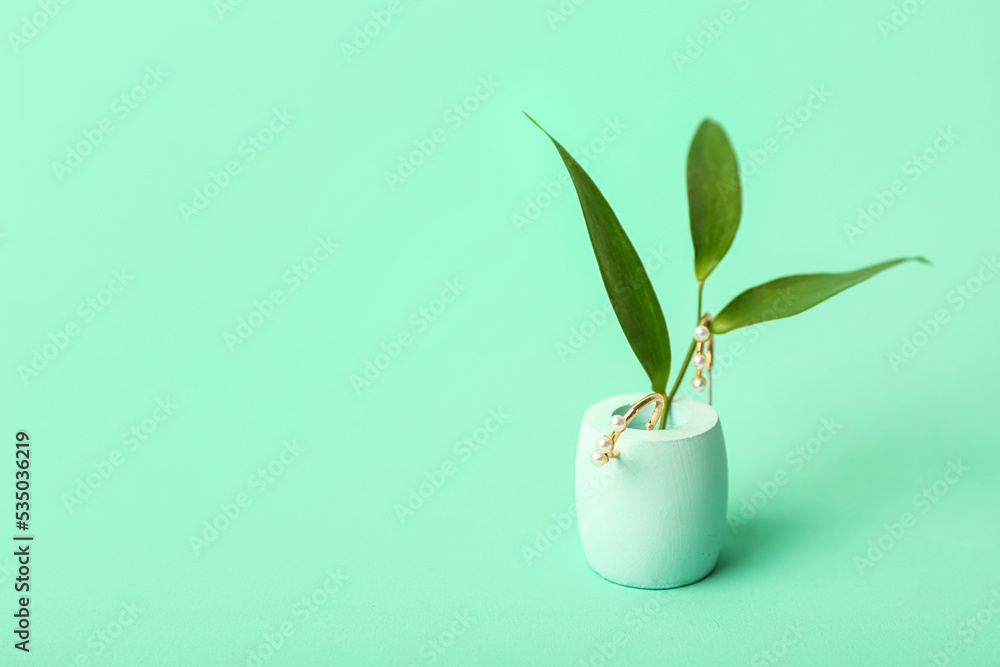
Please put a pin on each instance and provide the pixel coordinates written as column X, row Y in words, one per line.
column 715, row 201
column 625, row 279
column 791, row 295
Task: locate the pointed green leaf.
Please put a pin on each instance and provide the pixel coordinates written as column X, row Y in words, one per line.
column 791, row 295
column 625, row 279
column 715, row 201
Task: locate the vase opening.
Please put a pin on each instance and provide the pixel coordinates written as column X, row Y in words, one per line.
column 677, row 416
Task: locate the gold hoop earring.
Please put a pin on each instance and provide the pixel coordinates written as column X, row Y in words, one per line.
column 606, row 443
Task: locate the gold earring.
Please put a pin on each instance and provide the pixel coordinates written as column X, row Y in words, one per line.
column 703, row 357
column 606, row 443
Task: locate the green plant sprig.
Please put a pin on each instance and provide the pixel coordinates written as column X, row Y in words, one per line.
column 715, row 207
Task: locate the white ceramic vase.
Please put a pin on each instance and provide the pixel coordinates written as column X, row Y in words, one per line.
column 654, row 516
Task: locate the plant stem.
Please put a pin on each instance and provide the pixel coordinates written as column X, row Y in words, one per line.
column 684, row 366
column 677, row 384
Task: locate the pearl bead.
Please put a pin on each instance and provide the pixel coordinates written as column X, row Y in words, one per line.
column 605, row 445
column 699, row 383
column 618, row 423
column 699, row 360
column 701, row 333
column 598, row 459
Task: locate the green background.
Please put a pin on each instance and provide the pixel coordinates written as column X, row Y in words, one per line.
column 470, row 577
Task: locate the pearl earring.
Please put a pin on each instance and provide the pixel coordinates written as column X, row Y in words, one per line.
column 606, row 443
column 703, row 357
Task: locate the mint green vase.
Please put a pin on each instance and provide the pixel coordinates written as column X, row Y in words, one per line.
column 654, row 516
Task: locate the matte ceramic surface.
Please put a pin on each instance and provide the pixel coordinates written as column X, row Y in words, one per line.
column 654, row 516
